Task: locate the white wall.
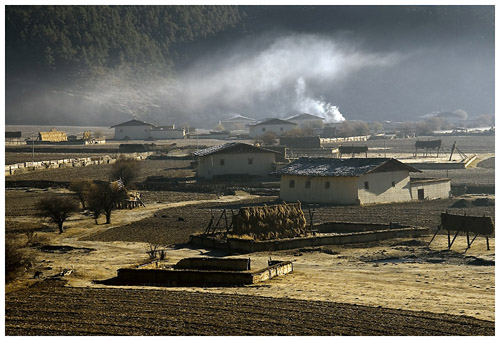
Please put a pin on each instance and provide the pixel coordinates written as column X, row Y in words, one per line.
column 167, row 134
column 438, row 189
column 133, row 132
column 342, row 191
column 278, row 129
column 210, row 165
column 381, row 189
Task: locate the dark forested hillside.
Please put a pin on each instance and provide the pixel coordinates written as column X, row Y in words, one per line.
column 80, row 38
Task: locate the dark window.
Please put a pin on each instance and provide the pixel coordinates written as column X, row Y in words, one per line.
column 281, row 129
column 263, row 129
column 393, row 184
column 291, row 183
column 308, row 184
column 222, row 162
column 250, row 161
column 121, row 130
column 327, row 185
column 367, row 186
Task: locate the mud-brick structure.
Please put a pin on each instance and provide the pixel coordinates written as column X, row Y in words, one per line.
column 356, row 181
column 202, row 271
column 235, row 159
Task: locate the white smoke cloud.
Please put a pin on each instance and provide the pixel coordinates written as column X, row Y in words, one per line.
column 317, row 107
column 263, row 75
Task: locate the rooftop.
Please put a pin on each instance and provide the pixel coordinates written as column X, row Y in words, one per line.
column 274, row 121
column 342, row 167
column 133, row 123
column 238, row 118
column 233, row 148
column 305, row 116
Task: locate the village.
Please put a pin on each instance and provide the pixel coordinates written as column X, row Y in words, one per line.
column 249, row 170
column 272, row 208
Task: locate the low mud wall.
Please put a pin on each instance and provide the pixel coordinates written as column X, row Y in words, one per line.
column 244, row 245
column 192, row 277
column 347, row 227
column 444, row 165
column 229, row 264
column 24, row 167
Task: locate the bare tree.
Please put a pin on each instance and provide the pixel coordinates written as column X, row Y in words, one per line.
column 269, row 138
column 298, row 132
column 126, row 169
column 103, row 198
column 57, row 209
column 81, row 189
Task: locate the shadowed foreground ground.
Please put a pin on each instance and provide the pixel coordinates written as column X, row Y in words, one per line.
column 51, row 309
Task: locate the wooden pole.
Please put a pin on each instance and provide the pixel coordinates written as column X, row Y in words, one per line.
column 449, row 244
column 487, row 244
column 434, row 236
column 468, row 241
column 456, row 234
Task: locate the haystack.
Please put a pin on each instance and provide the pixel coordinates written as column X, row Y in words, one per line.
column 270, row 222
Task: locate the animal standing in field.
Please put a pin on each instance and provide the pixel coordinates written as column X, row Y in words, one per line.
column 432, row 144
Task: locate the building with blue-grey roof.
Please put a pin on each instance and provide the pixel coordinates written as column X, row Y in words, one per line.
column 356, row 181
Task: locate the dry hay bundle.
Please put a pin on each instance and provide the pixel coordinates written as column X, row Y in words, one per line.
column 270, row 222
column 478, row 225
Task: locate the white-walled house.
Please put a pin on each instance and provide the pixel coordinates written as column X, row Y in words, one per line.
column 356, row 181
column 132, row 130
column 275, row 125
column 307, row 121
column 138, row 130
column 235, row 159
column 237, row 123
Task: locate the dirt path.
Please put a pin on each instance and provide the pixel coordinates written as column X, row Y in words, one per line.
column 424, row 279
column 89, row 260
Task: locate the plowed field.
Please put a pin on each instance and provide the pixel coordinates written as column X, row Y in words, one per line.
column 55, row 310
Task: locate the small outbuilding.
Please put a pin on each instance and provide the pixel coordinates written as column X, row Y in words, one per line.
column 235, row 159
column 167, row 133
column 356, row 181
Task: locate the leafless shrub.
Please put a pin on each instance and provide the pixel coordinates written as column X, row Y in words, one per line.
column 16, row 260
column 152, row 251
column 33, row 239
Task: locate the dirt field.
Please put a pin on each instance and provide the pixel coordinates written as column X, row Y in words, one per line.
column 394, row 287
column 86, row 311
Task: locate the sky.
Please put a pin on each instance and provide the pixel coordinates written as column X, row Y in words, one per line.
column 367, row 65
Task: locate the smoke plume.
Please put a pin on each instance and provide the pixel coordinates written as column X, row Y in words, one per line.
column 321, row 108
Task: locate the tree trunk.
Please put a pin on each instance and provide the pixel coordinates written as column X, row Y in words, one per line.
column 60, row 225
column 108, row 217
